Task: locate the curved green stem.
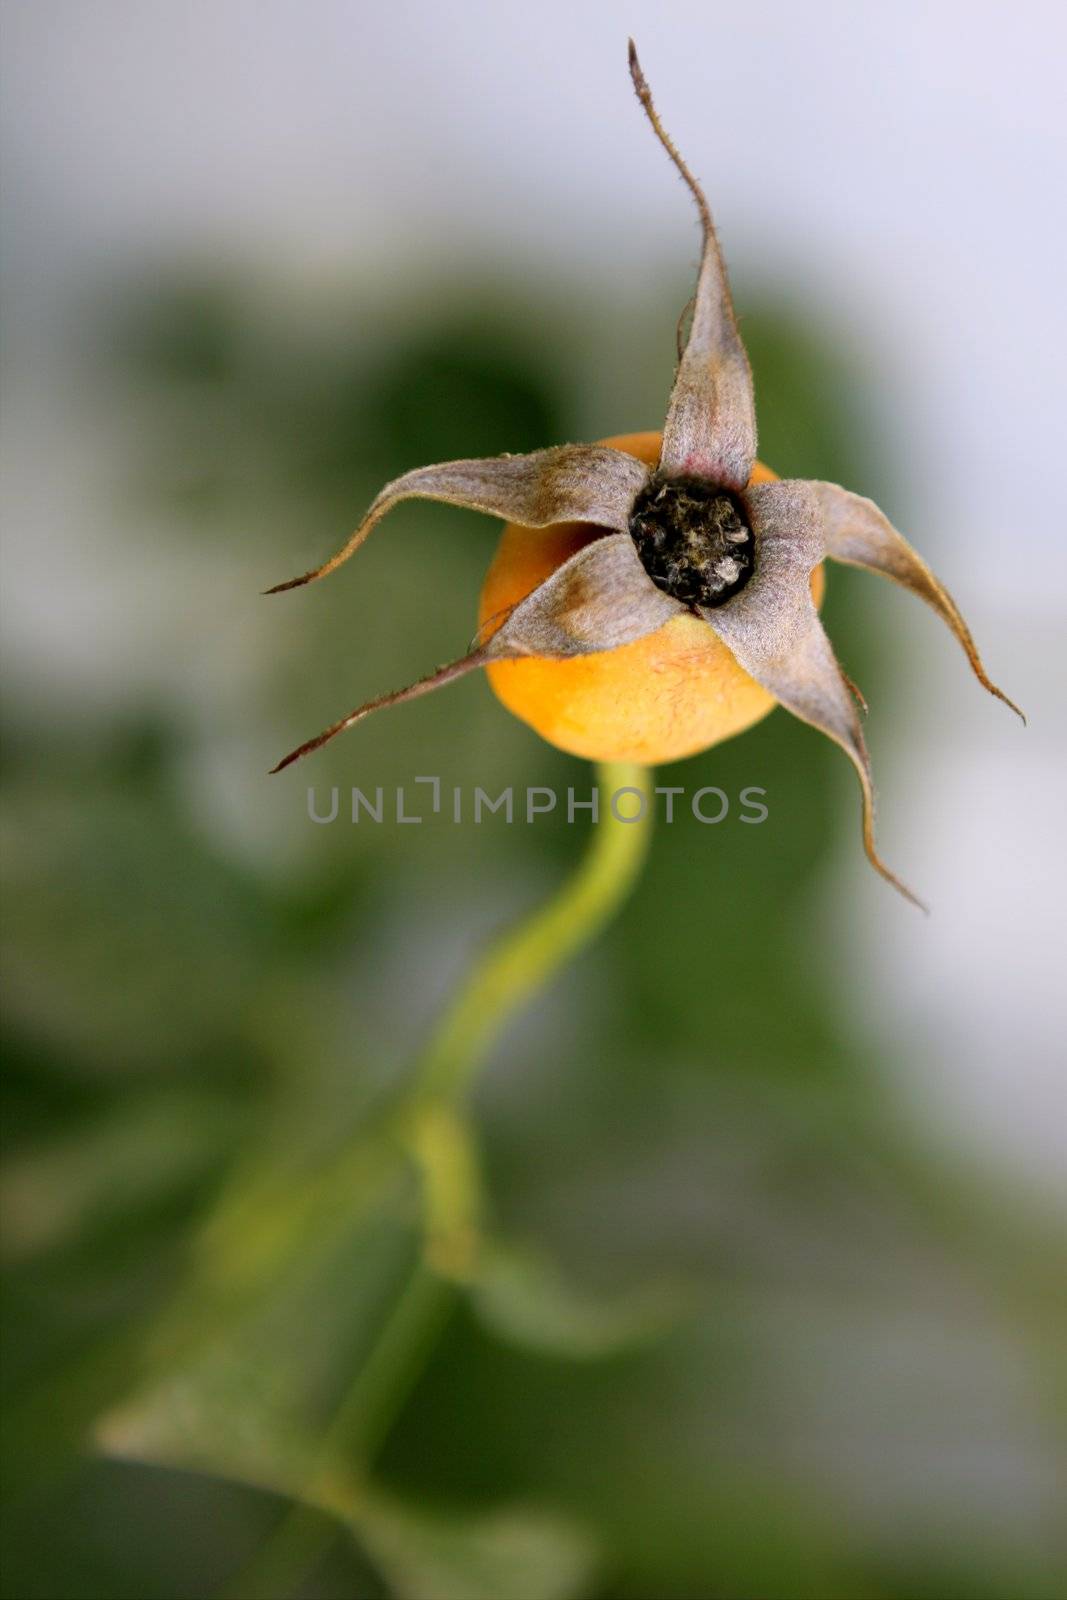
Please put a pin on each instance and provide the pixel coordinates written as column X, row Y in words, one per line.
column 510, row 973
column 434, row 1130
column 525, row 959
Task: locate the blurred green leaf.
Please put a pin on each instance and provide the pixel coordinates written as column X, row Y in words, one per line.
column 250, row 1395
column 514, row 1553
column 522, row 1296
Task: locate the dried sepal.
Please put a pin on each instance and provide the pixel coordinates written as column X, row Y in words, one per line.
column 858, row 534
column 710, row 431
column 567, row 483
column 773, row 629
column 597, row 600
column 413, row 691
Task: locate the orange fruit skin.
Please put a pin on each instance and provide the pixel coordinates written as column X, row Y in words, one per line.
column 671, row 694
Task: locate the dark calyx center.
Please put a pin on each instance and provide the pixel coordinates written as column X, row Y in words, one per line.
column 692, row 539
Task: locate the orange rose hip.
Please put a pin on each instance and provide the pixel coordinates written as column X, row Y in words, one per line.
column 671, row 694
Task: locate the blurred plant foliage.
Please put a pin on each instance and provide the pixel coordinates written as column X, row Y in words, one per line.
column 733, row 1334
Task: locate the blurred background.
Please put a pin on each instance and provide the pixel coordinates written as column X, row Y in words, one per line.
column 776, row 1170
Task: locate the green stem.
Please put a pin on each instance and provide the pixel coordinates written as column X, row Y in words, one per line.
column 525, row 959
column 436, row 1134
column 520, row 964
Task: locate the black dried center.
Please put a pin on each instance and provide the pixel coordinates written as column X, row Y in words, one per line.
column 692, row 539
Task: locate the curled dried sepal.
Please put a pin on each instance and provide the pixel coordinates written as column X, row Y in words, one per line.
column 568, row 483
column 774, row 631
column 436, row 680
column 598, row 600
column 860, row 535
column 710, row 431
